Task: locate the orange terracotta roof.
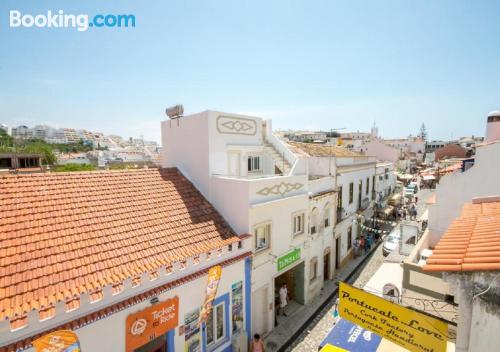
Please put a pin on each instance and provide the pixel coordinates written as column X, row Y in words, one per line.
column 471, row 243
column 63, row 234
column 312, row 149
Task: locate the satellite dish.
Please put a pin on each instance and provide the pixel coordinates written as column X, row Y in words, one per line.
column 174, row 112
column 391, row 292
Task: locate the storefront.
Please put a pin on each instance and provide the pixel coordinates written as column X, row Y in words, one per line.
column 291, row 271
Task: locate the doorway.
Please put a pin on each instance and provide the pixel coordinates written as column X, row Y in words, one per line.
column 326, row 266
column 157, row 345
column 337, row 252
column 260, row 311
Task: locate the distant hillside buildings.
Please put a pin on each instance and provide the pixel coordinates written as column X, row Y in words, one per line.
column 110, row 149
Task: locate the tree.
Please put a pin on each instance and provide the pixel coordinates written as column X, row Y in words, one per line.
column 423, row 132
column 38, row 147
column 6, row 141
column 73, row 167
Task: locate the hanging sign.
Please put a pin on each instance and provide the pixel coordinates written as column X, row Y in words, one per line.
column 58, row 341
column 214, row 275
column 150, row 323
column 410, row 329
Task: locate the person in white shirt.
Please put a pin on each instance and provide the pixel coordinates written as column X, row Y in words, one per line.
column 283, row 299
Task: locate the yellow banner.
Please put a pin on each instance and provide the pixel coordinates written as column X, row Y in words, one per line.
column 412, row 330
column 214, row 275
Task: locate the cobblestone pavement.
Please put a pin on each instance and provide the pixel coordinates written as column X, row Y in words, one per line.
column 314, row 333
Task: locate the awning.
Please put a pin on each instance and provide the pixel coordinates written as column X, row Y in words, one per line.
column 388, row 210
column 346, row 336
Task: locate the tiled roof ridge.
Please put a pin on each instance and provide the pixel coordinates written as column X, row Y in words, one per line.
column 81, row 173
column 80, row 322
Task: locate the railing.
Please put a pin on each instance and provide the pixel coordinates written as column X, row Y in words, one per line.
column 280, row 146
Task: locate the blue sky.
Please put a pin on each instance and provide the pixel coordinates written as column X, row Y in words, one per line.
column 305, row 64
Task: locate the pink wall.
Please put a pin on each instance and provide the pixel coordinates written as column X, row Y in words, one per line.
column 381, row 151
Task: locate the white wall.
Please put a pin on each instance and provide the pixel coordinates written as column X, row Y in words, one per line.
column 456, row 189
column 185, row 146
column 321, row 166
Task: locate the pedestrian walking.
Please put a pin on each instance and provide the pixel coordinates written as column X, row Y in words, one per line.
column 362, row 244
column 356, row 248
column 283, row 299
column 413, row 212
column 335, row 312
column 368, row 242
column 416, row 200
column 257, row 345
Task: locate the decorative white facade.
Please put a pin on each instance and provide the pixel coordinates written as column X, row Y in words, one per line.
column 261, row 188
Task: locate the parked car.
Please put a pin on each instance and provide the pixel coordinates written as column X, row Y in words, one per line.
column 391, row 242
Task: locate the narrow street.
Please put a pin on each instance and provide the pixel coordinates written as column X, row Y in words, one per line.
column 314, row 333
column 320, row 325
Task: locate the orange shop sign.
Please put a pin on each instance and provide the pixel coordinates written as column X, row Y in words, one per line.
column 150, row 323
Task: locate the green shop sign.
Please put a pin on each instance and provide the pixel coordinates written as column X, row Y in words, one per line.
column 288, row 259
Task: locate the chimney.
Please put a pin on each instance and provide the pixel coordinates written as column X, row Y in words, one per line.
column 493, row 127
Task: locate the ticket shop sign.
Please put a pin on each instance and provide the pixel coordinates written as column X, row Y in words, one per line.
column 150, row 323
column 408, row 328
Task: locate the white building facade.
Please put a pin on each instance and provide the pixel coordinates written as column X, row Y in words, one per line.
column 260, row 187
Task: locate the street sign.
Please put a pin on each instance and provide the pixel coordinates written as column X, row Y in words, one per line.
column 408, row 328
column 288, row 259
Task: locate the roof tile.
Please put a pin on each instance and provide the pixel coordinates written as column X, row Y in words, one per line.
column 66, row 233
column 471, row 243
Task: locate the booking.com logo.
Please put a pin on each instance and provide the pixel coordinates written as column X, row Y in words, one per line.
column 59, row 19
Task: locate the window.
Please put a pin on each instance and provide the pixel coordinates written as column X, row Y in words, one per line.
column 298, row 224
column 215, row 324
column 367, row 185
column 253, row 163
column 313, row 269
column 373, row 187
column 326, row 215
column 314, row 220
column 349, row 237
column 339, row 199
column 262, row 235
column 351, row 192
column 386, row 173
